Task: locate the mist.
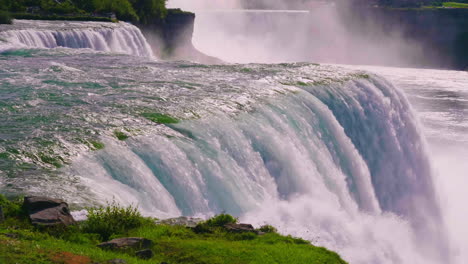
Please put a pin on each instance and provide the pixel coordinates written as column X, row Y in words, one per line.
column 316, row 31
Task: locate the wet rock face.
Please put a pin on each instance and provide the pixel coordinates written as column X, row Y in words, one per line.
column 181, row 221
column 2, row 216
column 127, row 243
column 47, row 211
column 239, row 228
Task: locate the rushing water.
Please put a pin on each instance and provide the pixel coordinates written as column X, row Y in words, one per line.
column 332, row 154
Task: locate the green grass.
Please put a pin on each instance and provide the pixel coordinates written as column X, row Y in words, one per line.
column 442, row 5
column 455, row 5
column 97, row 145
column 112, row 219
column 120, row 135
column 22, row 243
column 55, row 161
column 160, row 118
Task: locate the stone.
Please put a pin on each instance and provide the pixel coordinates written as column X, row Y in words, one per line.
column 145, row 254
column 116, row 261
column 46, row 211
column 239, row 228
column 181, row 221
column 2, row 216
column 11, row 235
column 127, row 243
column 112, row 261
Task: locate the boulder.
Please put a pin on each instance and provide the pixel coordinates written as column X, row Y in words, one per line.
column 46, row 211
column 239, row 228
column 127, row 243
column 112, row 261
column 181, row 221
column 145, row 254
column 116, row 261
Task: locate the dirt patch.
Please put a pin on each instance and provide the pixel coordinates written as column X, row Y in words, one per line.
column 69, row 258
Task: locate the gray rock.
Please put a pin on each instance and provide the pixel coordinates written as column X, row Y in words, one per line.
column 145, row 254
column 11, row 235
column 46, row 211
column 181, row 221
column 2, row 216
column 126, row 243
column 116, row 261
column 239, row 228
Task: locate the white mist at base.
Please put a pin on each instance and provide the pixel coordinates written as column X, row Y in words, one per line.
column 441, row 99
column 323, row 32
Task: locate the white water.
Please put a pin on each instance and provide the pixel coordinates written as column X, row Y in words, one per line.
column 105, row 37
column 342, row 165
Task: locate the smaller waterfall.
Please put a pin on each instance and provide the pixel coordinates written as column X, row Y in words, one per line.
column 107, row 37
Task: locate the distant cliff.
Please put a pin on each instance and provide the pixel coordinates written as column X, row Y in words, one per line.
column 441, row 33
column 171, row 38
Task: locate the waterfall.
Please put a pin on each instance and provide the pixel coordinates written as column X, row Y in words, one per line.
column 340, row 164
column 106, row 37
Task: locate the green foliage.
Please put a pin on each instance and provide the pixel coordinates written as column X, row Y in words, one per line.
column 122, row 8
column 145, row 11
column 112, row 220
column 97, row 145
column 55, row 161
column 11, row 208
column 56, row 17
column 120, row 135
column 214, row 224
column 455, row 5
column 150, row 10
column 268, row 229
column 221, row 220
column 5, row 18
column 160, row 118
column 51, row 6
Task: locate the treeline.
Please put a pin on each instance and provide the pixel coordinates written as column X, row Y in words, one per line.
column 143, row 11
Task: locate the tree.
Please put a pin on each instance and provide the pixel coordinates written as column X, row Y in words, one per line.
column 150, row 10
column 122, row 8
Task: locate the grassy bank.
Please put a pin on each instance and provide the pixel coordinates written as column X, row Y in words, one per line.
column 209, row 242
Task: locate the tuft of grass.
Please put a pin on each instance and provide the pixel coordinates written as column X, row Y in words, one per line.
column 11, row 208
column 55, row 161
column 221, row 220
column 120, row 135
column 112, row 220
column 268, row 229
column 215, row 224
column 160, row 118
column 97, row 145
